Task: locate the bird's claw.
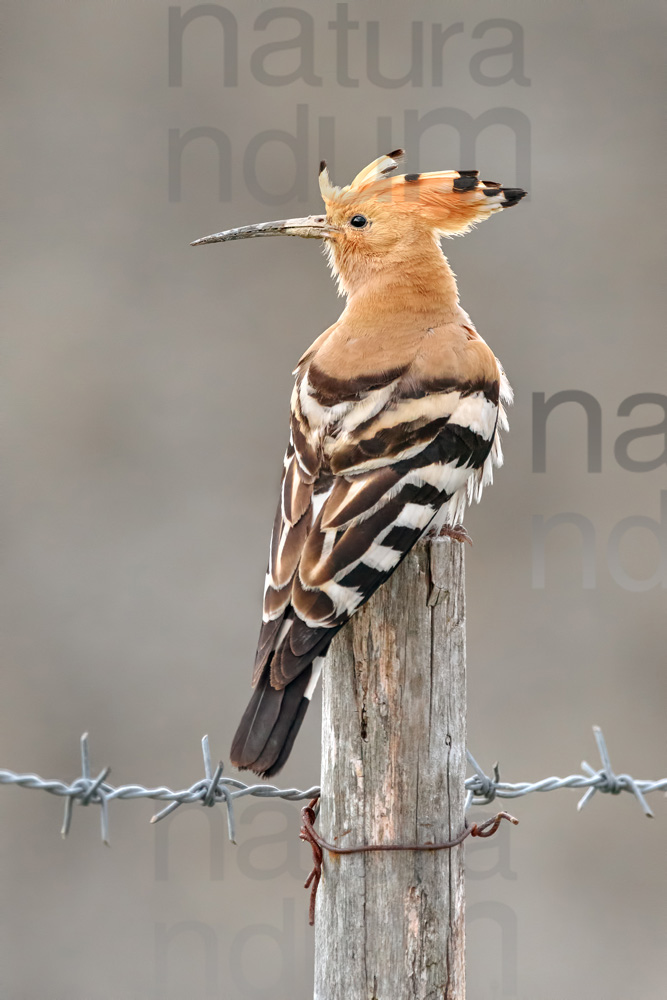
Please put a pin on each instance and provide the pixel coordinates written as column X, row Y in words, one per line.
column 454, row 531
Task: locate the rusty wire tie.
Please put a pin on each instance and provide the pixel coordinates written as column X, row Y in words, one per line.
column 310, row 835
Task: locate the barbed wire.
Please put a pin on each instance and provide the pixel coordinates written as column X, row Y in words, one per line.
column 484, row 789
column 215, row 788
column 212, row 788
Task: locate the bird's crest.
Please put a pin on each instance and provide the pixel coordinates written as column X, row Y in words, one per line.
column 448, row 200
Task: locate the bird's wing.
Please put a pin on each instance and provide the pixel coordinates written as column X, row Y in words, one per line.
column 388, row 459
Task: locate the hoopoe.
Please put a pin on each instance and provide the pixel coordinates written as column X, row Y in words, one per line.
column 394, row 427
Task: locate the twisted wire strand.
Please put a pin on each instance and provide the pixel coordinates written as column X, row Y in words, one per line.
column 215, row 787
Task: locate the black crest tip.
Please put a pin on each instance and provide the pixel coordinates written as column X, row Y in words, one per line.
column 512, row 196
column 323, row 165
column 465, row 182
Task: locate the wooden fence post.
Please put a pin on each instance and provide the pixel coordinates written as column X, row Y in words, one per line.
column 390, row 926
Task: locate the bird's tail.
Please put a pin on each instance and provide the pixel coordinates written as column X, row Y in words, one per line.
column 270, row 723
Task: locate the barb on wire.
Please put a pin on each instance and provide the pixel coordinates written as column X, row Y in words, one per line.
column 209, row 790
column 610, row 782
column 215, row 787
column 482, row 789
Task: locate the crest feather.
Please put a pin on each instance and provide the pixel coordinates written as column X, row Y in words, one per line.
column 375, row 171
column 379, row 168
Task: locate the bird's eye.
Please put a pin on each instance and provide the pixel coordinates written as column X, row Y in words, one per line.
column 358, row 221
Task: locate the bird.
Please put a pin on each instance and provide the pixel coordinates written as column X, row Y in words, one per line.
column 395, row 421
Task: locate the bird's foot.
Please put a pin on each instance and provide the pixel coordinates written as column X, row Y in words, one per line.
column 454, row 531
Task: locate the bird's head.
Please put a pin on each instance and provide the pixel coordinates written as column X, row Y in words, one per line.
column 379, row 221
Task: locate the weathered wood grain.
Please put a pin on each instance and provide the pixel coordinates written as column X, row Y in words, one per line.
column 390, row 926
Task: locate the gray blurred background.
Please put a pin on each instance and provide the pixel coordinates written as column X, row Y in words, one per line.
column 145, row 404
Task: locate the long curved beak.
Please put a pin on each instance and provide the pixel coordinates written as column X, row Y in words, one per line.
column 313, row 227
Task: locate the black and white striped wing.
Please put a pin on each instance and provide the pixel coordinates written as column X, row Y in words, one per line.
column 390, row 477
column 341, row 530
